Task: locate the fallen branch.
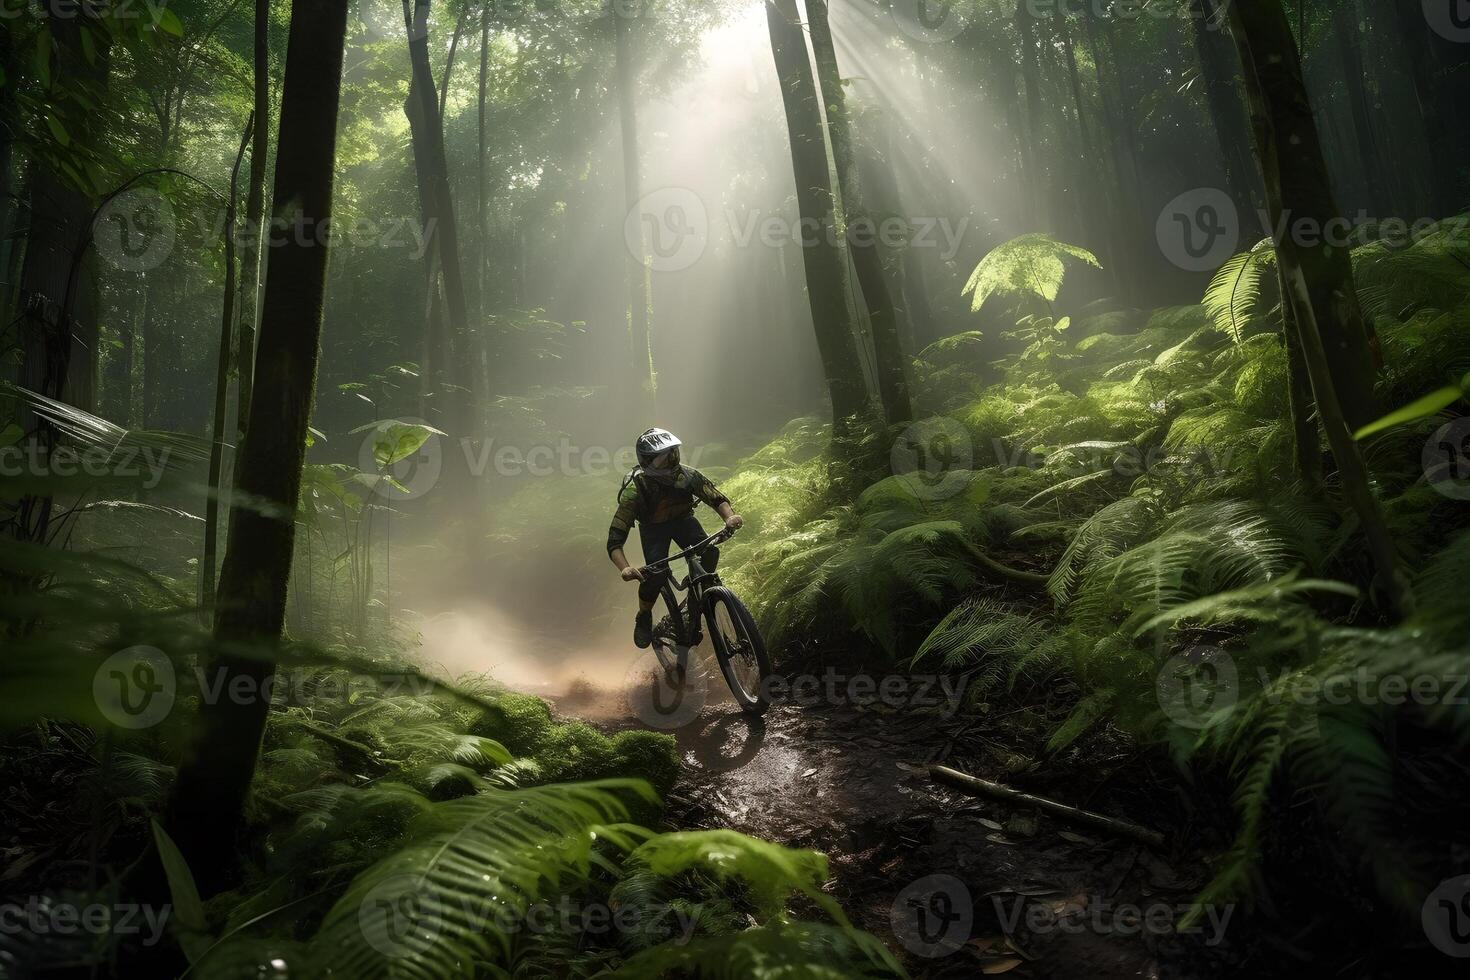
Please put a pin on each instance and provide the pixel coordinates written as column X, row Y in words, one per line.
column 1033, row 579
column 976, row 786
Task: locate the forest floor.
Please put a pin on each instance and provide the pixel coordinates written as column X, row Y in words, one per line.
column 1025, row 894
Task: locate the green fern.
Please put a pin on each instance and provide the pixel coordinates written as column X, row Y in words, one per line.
column 1029, row 266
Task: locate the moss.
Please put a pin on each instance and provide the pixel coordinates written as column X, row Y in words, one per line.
column 653, row 756
column 520, row 722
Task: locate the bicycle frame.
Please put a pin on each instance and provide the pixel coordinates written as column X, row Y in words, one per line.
column 698, row 579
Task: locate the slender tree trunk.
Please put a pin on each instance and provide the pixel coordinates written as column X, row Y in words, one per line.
column 1422, row 67
column 427, row 127
column 1220, row 72
column 1350, row 53
column 207, row 805
column 254, row 213
column 1031, row 154
column 58, row 281
column 639, row 293
column 1306, row 441
column 814, row 200
column 1285, row 135
column 862, row 237
column 464, row 12
column 221, row 386
column 907, row 273
column 1297, row 189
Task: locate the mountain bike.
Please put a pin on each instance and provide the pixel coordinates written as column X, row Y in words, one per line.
column 739, row 648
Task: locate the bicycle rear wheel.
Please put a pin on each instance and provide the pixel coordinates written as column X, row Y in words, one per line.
column 739, row 648
column 671, row 634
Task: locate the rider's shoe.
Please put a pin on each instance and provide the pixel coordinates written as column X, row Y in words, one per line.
column 643, row 630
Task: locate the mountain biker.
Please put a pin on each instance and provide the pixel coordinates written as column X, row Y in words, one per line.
column 660, row 495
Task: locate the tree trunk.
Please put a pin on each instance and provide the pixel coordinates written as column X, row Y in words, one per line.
column 815, row 205
column 1422, row 67
column 442, row 229
column 1220, row 72
column 639, row 298
column 254, row 212
column 1350, row 53
column 58, row 280
column 207, row 804
column 1298, row 191
column 862, row 230
column 221, row 386
column 1031, row 153
column 1286, row 142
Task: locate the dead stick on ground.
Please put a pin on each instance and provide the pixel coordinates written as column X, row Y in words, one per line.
column 984, row 787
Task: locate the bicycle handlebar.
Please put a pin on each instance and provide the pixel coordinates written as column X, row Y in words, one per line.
column 723, row 534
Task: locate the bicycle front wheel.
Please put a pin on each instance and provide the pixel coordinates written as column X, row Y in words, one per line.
column 739, row 648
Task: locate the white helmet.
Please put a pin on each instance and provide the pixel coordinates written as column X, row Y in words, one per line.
column 654, row 443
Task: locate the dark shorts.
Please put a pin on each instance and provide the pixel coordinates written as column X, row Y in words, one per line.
column 657, row 538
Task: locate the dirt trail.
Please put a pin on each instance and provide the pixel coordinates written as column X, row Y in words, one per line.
column 1021, row 893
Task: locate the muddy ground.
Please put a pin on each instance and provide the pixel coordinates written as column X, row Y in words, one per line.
column 956, row 885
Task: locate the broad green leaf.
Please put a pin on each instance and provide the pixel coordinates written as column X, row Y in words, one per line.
column 169, row 23
column 58, row 131
column 41, row 58
column 1031, row 265
column 188, row 916
column 1430, row 404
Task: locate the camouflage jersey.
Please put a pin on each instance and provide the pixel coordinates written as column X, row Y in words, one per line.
column 651, row 501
